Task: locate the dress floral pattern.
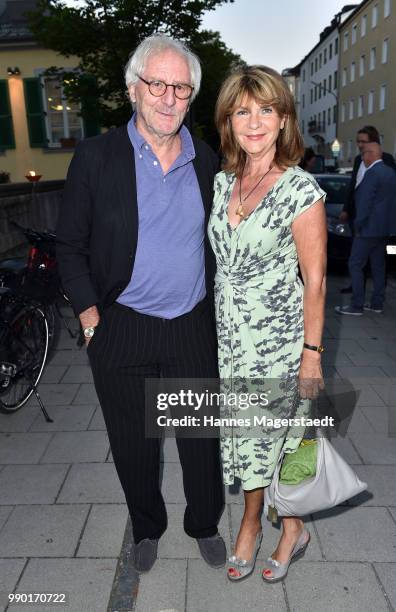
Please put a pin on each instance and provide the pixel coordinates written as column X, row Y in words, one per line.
column 259, row 312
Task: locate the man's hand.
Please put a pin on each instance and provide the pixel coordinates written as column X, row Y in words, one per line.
column 89, row 318
column 344, row 216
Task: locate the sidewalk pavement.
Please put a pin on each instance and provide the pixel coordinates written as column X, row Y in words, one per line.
column 63, row 518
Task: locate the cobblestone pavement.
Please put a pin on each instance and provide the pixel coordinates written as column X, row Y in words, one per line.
column 63, row 519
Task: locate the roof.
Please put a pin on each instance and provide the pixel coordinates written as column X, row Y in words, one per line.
column 13, row 21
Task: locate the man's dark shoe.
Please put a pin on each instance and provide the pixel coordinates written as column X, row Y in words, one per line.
column 213, row 550
column 145, row 555
column 349, row 310
column 346, row 290
column 377, row 309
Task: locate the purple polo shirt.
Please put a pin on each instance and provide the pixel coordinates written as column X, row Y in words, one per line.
column 168, row 277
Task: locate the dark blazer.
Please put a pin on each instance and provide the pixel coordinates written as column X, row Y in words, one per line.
column 97, row 228
column 376, row 202
column 349, row 205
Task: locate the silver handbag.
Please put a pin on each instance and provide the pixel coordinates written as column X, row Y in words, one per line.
column 333, row 483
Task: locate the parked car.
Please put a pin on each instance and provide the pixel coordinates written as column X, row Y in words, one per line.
column 339, row 235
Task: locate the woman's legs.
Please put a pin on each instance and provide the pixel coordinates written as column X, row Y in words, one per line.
column 292, row 528
column 250, row 525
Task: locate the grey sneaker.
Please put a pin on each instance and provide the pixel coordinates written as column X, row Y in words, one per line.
column 145, row 555
column 376, row 309
column 213, row 550
column 349, row 310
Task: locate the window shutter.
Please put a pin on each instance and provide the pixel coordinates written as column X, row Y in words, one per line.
column 89, row 107
column 35, row 112
column 7, row 140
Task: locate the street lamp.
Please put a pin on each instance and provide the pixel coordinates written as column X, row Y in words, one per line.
column 335, row 149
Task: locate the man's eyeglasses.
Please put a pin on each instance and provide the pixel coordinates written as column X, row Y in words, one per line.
column 158, row 88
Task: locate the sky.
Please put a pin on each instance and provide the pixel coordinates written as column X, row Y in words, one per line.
column 277, row 33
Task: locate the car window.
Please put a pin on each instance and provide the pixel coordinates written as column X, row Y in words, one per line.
column 336, row 189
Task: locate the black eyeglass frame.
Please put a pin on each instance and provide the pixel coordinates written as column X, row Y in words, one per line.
column 166, row 87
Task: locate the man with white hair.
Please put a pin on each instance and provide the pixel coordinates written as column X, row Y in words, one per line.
column 136, row 263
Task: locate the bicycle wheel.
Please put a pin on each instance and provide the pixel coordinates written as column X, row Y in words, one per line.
column 25, row 348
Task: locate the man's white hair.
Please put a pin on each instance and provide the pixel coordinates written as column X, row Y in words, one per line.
column 157, row 43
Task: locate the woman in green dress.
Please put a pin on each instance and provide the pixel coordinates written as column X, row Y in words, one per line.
column 268, row 218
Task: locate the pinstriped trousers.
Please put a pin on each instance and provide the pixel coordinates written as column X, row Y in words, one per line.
column 128, row 348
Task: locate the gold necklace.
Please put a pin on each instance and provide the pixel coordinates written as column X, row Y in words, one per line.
column 240, row 211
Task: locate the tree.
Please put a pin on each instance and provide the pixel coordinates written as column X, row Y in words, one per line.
column 102, row 34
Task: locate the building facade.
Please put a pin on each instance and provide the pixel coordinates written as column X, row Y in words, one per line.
column 367, row 94
column 39, row 127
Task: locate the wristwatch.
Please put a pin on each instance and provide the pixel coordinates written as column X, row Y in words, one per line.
column 312, row 347
column 89, row 332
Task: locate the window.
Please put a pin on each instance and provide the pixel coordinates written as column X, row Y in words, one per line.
column 363, row 26
column 320, row 90
column 303, row 126
column 382, row 97
column 349, row 153
column 329, row 82
column 62, row 119
column 370, row 102
column 346, row 39
column 312, row 68
column 325, row 56
column 354, row 32
column 387, row 8
column 373, row 56
column 323, row 119
column 316, row 93
column 362, row 62
column 353, row 71
column 335, row 79
column 316, row 64
column 344, row 77
column 303, row 100
column 385, row 50
column 343, row 113
column 320, row 60
column 374, row 16
column 351, row 107
column 335, row 113
column 360, row 106
column 311, row 96
column 303, row 75
column 336, row 46
column 330, row 51
column 329, row 116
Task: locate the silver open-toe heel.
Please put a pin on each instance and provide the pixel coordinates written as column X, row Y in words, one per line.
column 242, row 568
column 277, row 571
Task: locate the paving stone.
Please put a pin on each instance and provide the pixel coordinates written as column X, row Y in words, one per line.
column 164, row 587
column 387, row 573
column 176, row 544
column 209, row 589
column 340, row 587
column 384, row 345
column 335, row 358
column 66, row 418
column 272, row 534
column 77, row 447
column 379, row 417
column 393, row 512
column 87, row 581
column 10, row 570
column 389, row 369
column 86, row 395
column 5, row 512
column 366, row 372
column 375, row 448
column 98, row 420
column 53, row 374
column 386, row 391
column 378, row 478
column 31, row 484
column 172, row 483
column 66, row 357
column 104, row 531
column 372, row 358
column 23, row 447
column 92, row 483
column 78, row 374
column 357, row 534
column 169, row 451
column 59, row 394
column 20, row 421
column 43, row 531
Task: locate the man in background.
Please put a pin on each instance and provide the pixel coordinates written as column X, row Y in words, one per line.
column 375, row 220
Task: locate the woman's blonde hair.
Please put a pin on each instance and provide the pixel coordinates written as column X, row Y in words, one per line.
column 267, row 87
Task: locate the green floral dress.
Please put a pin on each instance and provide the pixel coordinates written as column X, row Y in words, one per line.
column 259, row 313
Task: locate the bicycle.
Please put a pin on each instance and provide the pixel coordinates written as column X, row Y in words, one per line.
column 24, row 341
